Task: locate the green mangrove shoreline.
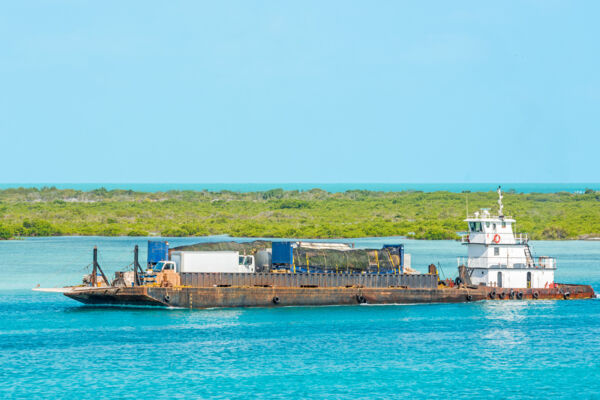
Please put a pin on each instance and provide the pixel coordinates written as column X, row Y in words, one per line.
column 26, row 212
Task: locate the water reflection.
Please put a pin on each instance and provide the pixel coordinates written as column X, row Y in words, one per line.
column 505, row 310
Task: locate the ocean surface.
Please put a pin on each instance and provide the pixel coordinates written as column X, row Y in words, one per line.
column 53, row 347
column 330, row 187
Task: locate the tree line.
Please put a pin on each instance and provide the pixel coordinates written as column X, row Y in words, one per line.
column 279, row 213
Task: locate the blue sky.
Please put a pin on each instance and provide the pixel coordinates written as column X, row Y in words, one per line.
column 299, row 91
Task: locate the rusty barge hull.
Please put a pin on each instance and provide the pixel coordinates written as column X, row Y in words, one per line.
column 213, row 297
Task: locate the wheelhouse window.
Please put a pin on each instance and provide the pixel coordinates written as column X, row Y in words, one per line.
column 503, row 224
column 475, row 226
column 496, row 251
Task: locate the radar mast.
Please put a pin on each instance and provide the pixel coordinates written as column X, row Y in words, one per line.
column 500, row 206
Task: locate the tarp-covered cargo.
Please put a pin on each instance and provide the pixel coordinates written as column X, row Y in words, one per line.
column 318, row 255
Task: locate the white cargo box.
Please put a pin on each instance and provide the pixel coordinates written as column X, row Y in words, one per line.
column 212, row 261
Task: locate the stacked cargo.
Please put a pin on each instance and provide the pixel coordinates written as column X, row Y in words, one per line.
column 300, row 256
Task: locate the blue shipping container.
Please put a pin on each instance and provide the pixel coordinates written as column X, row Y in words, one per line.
column 157, row 251
column 283, row 253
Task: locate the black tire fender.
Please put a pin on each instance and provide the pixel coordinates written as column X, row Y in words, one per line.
column 535, row 295
column 493, row 294
column 520, row 295
column 469, row 297
column 167, row 298
column 275, row 300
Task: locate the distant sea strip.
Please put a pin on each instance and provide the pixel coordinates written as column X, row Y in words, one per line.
column 329, row 187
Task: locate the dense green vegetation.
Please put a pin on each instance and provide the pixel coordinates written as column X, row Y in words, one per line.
column 278, row 213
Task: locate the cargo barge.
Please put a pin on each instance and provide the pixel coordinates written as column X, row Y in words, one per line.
column 499, row 266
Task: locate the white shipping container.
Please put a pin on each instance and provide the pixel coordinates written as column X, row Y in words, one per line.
column 212, row 261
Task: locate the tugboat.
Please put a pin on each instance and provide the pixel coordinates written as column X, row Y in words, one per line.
column 499, row 266
column 499, row 258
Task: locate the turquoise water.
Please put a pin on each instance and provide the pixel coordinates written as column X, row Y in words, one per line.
column 330, row 187
column 52, row 347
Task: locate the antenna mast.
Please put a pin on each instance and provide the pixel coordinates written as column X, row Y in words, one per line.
column 500, row 206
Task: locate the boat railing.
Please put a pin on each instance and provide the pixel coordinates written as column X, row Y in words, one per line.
column 519, row 238
column 503, row 262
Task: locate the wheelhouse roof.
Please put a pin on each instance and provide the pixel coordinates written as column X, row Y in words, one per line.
column 489, row 219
